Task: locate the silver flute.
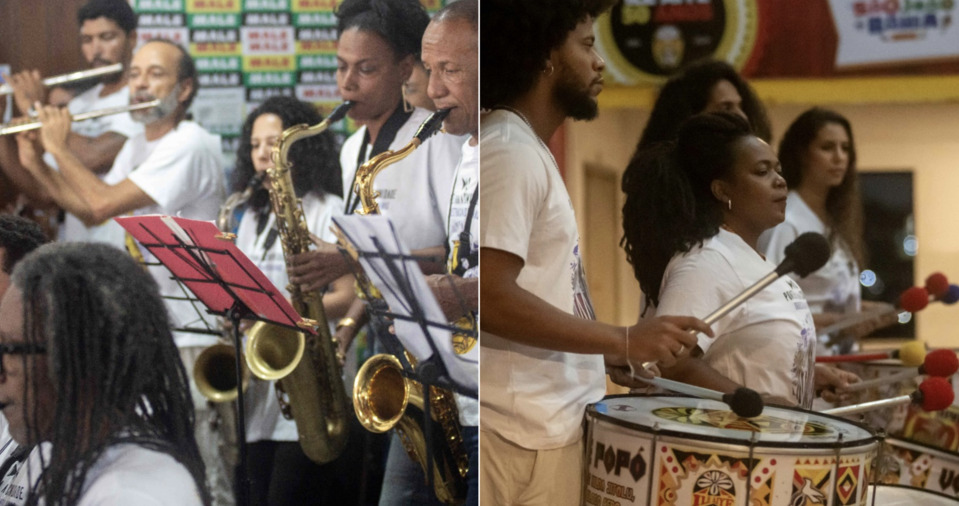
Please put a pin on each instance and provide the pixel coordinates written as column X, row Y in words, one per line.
column 7, row 129
column 6, row 89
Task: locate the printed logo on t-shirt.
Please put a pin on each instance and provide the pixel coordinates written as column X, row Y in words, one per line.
column 582, row 304
column 10, row 492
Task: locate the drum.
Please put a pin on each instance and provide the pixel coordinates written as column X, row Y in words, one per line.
column 911, row 464
column 893, row 495
column 906, row 421
column 681, row 451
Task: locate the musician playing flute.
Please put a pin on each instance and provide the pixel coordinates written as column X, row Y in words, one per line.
column 542, row 353
column 107, row 37
column 173, row 168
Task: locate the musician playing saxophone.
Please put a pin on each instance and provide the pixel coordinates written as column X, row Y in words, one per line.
column 173, row 168
column 378, row 43
column 107, row 37
column 280, row 472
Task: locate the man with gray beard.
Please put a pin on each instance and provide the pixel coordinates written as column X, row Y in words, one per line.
column 174, row 168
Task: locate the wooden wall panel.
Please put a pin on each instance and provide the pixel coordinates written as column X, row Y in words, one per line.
column 41, row 34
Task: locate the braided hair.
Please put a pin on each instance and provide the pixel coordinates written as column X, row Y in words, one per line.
column 315, row 160
column 18, row 236
column 112, row 362
column 670, row 207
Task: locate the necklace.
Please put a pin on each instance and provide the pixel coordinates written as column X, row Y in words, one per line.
column 530, row 126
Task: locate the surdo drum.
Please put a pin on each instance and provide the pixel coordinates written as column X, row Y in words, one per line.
column 916, row 465
column 681, row 451
column 894, row 495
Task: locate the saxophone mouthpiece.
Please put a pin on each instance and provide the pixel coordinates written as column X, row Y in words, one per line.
column 432, row 124
column 339, row 112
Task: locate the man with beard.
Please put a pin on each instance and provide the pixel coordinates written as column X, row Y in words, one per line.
column 542, row 354
column 173, row 168
column 107, row 36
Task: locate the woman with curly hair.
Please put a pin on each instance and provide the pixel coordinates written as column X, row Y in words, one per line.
column 693, row 215
column 703, row 86
column 280, row 473
column 818, row 155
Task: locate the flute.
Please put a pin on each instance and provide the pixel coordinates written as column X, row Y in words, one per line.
column 7, row 129
column 6, row 89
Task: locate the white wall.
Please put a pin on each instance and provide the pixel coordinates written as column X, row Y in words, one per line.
column 921, row 137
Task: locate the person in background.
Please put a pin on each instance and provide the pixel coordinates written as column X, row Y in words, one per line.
column 818, row 156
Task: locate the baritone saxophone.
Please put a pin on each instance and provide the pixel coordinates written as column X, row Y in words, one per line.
column 310, row 385
column 383, row 397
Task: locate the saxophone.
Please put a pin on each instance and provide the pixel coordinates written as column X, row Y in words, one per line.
column 214, row 369
column 383, row 397
column 313, row 385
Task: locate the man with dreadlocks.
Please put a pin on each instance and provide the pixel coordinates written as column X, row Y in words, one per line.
column 88, row 364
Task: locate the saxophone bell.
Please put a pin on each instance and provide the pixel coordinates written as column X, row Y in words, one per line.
column 215, row 373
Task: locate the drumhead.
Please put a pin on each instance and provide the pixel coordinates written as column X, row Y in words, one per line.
column 713, row 420
column 897, row 495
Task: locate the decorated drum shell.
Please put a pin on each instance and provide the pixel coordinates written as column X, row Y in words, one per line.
column 681, row 451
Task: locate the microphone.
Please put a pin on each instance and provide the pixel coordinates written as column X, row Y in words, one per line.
column 941, row 363
column 911, row 354
column 934, row 394
column 744, row 402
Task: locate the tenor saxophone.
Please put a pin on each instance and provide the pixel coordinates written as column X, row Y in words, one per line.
column 312, row 393
column 383, row 398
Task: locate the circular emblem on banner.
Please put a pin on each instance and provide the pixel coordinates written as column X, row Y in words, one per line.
column 645, row 41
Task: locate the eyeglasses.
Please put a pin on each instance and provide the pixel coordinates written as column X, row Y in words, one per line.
column 20, row 349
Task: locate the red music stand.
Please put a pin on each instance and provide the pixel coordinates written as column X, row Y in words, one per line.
column 225, row 280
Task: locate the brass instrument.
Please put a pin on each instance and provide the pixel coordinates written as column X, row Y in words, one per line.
column 369, row 170
column 214, row 371
column 6, row 89
column 313, row 385
column 14, row 127
column 383, row 398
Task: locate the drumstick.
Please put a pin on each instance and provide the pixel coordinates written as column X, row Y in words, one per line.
column 934, row 394
column 941, row 363
column 808, row 253
column 911, row 354
column 744, row 402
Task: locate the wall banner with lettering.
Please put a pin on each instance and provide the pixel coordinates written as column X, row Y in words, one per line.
column 645, row 41
column 249, row 50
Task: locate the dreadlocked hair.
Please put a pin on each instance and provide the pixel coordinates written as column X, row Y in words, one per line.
column 669, row 205
column 18, row 236
column 688, row 92
column 314, row 160
column 114, row 367
column 843, row 202
column 518, row 36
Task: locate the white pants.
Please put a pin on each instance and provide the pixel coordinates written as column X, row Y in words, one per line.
column 511, row 475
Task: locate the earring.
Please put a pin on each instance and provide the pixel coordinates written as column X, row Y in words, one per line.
column 549, row 68
column 730, row 202
column 407, row 106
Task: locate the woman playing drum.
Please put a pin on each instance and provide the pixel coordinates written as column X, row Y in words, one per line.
column 693, row 214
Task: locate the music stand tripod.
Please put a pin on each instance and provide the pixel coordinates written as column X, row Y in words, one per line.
column 420, row 326
column 227, row 282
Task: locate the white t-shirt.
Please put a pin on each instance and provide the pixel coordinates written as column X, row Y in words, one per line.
column 834, row 287
column 183, row 173
column 531, row 396
column 264, row 421
column 132, row 474
column 465, row 182
column 109, row 232
column 414, row 192
column 21, row 477
column 768, row 343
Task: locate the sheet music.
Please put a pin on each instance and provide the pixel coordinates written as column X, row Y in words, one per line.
column 405, row 290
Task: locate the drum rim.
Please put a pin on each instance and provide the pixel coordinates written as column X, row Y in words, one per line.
column 900, row 485
column 852, row 443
